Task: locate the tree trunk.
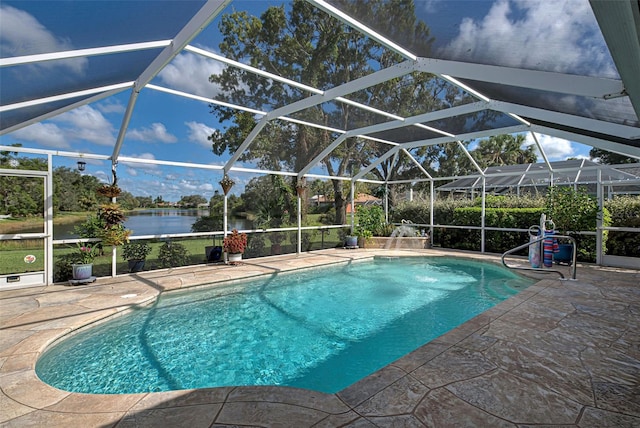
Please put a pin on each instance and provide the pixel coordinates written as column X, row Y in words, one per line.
column 339, row 203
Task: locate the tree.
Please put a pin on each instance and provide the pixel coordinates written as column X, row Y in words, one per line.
column 191, row 201
column 311, row 47
column 144, row 201
column 504, row 150
column 609, row 158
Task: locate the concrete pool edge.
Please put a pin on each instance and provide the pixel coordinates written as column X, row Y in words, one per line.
column 35, row 318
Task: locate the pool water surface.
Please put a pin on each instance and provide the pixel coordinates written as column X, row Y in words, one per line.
column 321, row 329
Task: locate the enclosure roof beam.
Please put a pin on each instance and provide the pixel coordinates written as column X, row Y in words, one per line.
column 284, row 80
column 77, row 53
column 440, row 140
column 350, row 21
column 468, row 136
column 375, row 163
column 395, row 159
column 251, row 69
column 246, row 143
column 425, row 117
column 415, row 161
column 239, row 107
column 199, row 22
column 542, row 152
column 66, row 96
column 586, row 86
column 619, row 23
column 335, row 143
column 623, row 149
column 344, row 89
column 468, row 155
column 98, row 97
column 359, row 84
column 204, row 99
column 54, row 153
column 578, row 122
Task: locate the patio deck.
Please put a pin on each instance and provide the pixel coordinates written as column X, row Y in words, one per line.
column 562, row 353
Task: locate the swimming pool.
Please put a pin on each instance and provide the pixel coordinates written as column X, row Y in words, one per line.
column 306, row 329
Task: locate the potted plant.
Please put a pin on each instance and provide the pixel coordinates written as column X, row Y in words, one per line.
column 234, row 245
column 82, row 267
column 351, row 241
column 113, row 231
column 136, row 253
column 109, row 190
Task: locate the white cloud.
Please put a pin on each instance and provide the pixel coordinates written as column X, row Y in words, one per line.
column 111, row 106
column 429, row 6
column 22, row 34
column 157, row 132
column 555, row 148
column 136, row 168
column 535, row 35
column 47, row 134
column 198, row 133
column 190, row 73
column 78, row 126
column 88, row 124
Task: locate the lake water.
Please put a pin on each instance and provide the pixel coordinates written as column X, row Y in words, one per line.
column 154, row 221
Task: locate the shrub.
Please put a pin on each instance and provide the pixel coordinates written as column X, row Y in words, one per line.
column 62, row 270
column 173, row 255
column 575, row 210
column 625, row 212
column 136, row 251
column 370, row 221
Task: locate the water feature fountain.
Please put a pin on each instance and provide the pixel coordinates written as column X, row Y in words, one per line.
column 405, row 236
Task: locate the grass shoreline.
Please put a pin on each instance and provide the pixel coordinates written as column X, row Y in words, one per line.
column 16, row 225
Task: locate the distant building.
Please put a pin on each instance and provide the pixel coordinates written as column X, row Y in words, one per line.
column 320, row 200
column 365, row 200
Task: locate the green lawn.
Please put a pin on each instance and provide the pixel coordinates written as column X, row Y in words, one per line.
column 13, row 253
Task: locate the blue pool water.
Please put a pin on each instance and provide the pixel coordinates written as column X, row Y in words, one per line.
column 321, row 329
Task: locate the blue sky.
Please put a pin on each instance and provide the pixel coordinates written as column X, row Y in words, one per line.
column 167, row 127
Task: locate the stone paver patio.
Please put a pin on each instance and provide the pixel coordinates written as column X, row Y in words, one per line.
column 560, row 353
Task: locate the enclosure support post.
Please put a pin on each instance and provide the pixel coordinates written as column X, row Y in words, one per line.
column 482, row 217
column 353, row 207
column 386, row 203
column 431, row 201
column 599, row 237
column 299, row 224
column 114, row 261
column 224, row 226
column 48, row 207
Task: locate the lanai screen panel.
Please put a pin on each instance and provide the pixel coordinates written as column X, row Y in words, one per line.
column 559, row 36
column 614, row 110
column 117, row 23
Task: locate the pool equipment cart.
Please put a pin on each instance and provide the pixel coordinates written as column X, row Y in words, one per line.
column 543, row 245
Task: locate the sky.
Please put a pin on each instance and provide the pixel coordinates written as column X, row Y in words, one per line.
column 167, row 127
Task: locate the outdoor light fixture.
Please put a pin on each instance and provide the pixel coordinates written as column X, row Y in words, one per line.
column 81, row 165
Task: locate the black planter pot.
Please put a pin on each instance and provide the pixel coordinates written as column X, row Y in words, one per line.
column 136, row 265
